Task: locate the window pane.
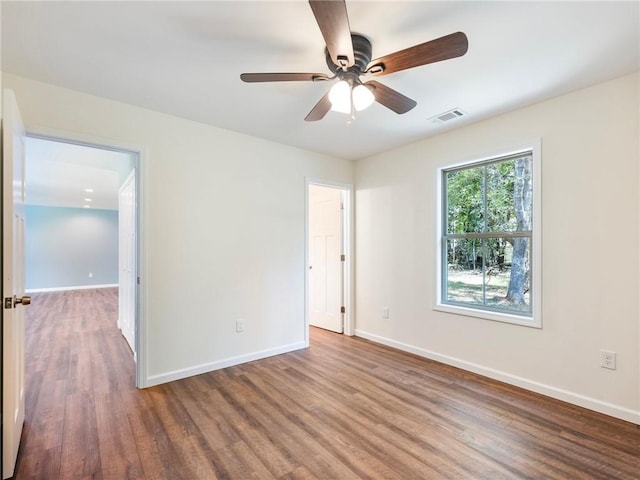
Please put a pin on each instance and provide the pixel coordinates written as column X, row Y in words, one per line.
column 500, row 209
column 465, row 203
column 464, row 271
column 507, row 274
column 488, row 208
column 509, row 195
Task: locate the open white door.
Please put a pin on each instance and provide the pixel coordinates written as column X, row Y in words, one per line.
column 325, row 252
column 12, row 282
column 127, row 260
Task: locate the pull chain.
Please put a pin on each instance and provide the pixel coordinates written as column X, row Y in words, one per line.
column 352, row 115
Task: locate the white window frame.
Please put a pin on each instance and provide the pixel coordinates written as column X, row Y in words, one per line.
column 535, row 320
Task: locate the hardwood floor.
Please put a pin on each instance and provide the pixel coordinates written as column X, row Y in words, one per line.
column 344, row 408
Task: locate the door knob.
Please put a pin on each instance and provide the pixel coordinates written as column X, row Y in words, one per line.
column 23, row 300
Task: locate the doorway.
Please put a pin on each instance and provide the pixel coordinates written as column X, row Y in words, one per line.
column 82, row 203
column 329, row 261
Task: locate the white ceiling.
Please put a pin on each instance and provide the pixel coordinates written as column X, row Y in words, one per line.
column 185, row 58
column 77, row 176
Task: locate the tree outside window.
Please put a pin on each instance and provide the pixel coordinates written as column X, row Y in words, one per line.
column 487, row 239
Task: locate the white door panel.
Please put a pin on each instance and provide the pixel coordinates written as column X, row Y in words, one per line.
column 13, row 355
column 325, row 250
column 127, row 261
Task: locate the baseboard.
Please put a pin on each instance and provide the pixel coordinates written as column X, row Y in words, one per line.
column 76, row 287
column 228, row 362
column 612, row 410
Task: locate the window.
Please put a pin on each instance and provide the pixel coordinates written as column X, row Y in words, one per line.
column 488, row 245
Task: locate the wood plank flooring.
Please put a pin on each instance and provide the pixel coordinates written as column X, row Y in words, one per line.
column 343, row 409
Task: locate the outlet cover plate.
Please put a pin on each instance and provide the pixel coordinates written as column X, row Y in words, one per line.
column 608, row 359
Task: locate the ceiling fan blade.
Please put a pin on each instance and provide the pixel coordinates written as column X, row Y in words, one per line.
column 333, row 21
column 443, row 48
column 320, row 110
column 283, row 77
column 390, row 98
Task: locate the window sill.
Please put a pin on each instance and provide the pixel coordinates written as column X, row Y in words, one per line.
column 532, row 322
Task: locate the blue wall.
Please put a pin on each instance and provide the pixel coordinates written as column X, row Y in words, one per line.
column 64, row 245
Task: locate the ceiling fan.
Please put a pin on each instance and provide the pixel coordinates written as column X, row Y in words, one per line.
column 348, row 56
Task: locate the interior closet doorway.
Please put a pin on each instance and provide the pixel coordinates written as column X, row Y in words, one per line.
column 329, row 256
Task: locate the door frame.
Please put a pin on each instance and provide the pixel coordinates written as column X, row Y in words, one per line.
column 348, row 249
column 140, row 165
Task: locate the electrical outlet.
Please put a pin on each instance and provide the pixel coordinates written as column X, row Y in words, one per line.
column 608, row 359
column 385, row 312
column 240, row 325
column 90, row 275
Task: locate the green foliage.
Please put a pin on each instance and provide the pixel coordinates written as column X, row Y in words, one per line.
column 465, row 205
column 480, row 194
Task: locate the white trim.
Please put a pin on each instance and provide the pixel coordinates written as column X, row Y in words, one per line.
column 349, row 241
column 535, row 321
column 219, row 364
column 486, row 314
column 76, row 138
column 142, row 346
column 76, row 287
column 142, row 349
column 306, row 263
column 594, row 404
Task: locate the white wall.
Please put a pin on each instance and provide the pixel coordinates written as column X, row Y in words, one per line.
column 63, row 246
column 590, row 240
column 224, row 228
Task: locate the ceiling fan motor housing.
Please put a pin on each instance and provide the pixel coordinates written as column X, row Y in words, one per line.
column 361, row 54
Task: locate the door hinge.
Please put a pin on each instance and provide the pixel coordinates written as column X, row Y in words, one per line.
column 343, row 310
column 343, row 257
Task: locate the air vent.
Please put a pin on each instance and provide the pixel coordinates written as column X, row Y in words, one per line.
column 447, row 116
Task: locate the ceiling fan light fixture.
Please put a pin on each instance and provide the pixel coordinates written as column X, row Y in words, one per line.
column 362, row 97
column 340, row 97
column 342, row 94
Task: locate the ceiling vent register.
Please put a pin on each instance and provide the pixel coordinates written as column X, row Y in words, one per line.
column 447, row 116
